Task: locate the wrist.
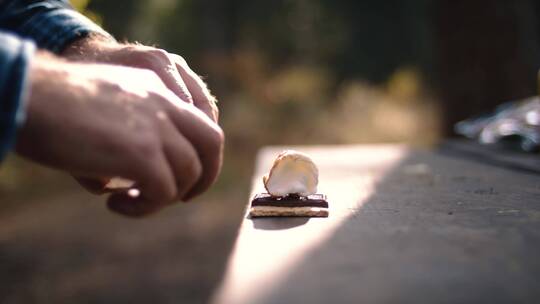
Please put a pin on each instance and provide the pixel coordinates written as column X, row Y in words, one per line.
column 89, row 48
column 43, row 72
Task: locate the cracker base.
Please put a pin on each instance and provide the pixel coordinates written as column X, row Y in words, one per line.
column 272, row 211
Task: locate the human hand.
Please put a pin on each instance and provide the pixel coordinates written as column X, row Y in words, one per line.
column 102, row 121
column 171, row 68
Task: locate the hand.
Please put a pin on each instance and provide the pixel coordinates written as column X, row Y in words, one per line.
column 171, row 68
column 101, row 121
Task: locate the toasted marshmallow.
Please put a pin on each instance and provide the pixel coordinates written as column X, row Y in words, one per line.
column 292, row 173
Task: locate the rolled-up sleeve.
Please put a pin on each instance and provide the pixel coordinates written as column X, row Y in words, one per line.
column 15, row 56
column 52, row 24
column 49, row 24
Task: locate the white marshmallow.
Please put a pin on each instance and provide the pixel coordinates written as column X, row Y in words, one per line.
column 292, row 173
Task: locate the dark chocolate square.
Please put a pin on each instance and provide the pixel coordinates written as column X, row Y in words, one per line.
column 265, row 199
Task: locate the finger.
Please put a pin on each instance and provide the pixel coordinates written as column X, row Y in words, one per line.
column 169, row 74
column 184, row 164
column 183, row 159
column 202, row 98
column 153, row 177
column 172, row 80
column 161, row 64
column 207, row 139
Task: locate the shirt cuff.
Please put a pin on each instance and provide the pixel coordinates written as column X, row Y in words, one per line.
column 55, row 30
column 15, row 56
column 53, row 25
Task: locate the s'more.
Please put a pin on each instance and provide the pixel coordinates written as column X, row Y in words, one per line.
column 291, row 187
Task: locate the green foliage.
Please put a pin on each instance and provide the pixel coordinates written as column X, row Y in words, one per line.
column 80, row 5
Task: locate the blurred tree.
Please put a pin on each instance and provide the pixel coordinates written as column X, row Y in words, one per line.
column 487, row 53
column 79, row 5
column 380, row 37
column 478, row 53
column 119, row 17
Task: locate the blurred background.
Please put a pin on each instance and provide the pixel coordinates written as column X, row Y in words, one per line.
column 285, row 72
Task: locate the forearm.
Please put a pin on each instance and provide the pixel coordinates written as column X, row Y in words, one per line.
column 52, row 24
column 91, row 48
column 15, row 57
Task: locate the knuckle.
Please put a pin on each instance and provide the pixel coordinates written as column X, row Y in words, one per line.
column 215, row 111
column 131, row 49
column 193, row 170
column 220, row 136
column 160, row 98
column 216, row 140
column 145, row 146
column 180, row 60
column 158, row 54
column 150, row 57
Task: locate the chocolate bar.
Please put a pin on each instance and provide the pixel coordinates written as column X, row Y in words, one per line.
column 266, row 205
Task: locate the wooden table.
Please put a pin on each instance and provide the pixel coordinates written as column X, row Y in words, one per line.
column 457, row 224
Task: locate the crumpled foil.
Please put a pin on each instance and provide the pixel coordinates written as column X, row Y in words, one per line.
column 514, row 122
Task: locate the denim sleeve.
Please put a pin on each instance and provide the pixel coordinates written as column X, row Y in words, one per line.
column 52, row 24
column 15, row 55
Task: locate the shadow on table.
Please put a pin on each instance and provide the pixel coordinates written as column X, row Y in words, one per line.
column 459, row 231
column 499, row 155
column 278, row 223
column 69, row 249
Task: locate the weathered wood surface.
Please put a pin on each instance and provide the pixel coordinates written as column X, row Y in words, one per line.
column 405, row 226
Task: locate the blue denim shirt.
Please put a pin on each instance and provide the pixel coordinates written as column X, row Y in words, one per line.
column 25, row 24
